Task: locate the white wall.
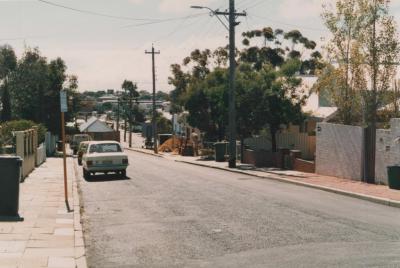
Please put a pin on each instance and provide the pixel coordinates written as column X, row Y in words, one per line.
column 339, row 151
column 387, row 150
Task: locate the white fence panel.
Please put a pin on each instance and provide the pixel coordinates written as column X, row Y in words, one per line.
column 41, row 154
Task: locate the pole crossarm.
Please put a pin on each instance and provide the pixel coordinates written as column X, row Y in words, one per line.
column 226, row 13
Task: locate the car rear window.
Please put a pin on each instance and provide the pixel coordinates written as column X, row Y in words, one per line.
column 105, row 148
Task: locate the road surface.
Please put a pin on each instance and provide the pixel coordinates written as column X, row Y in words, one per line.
column 170, row 214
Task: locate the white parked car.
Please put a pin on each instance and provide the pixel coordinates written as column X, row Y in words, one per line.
column 104, row 157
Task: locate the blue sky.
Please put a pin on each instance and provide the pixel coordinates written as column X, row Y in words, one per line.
column 104, row 51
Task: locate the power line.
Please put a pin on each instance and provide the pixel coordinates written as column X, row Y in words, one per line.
column 179, row 27
column 95, row 13
column 165, row 20
column 123, row 27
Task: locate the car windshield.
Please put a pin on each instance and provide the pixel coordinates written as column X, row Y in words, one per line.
column 105, row 148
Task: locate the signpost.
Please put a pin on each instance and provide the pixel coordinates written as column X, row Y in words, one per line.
column 64, row 109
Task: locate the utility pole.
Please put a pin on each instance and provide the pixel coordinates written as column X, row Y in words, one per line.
column 232, row 15
column 124, row 109
column 130, row 119
column 118, row 115
column 232, row 76
column 153, row 53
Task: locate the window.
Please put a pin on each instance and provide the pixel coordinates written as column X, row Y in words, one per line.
column 105, row 148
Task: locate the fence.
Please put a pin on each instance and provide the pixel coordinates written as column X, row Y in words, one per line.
column 26, row 148
column 41, row 154
column 295, row 141
column 298, row 141
column 50, row 144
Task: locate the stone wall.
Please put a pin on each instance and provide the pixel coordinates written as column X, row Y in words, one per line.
column 339, row 151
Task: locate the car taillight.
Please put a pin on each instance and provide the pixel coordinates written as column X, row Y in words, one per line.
column 125, row 161
column 89, row 163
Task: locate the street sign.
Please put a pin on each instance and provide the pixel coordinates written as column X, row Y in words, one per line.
column 63, row 101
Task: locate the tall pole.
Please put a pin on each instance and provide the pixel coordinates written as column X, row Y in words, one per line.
column 232, row 69
column 117, row 116
column 64, row 160
column 63, row 109
column 154, row 98
column 130, row 119
column 125, row 121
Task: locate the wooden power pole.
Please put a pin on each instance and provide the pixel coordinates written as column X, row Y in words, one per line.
column 153, row 53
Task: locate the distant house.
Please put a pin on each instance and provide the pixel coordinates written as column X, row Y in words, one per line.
column 98, row 130
column 317, row 107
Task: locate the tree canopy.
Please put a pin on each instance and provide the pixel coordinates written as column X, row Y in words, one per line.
column 267, row 83
column 31, row 86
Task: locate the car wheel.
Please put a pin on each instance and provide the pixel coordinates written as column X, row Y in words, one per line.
column 123, row 173
column 86, row 174
column 80, row 162
column 75, row 151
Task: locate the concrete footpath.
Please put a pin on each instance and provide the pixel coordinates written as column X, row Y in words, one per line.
column 380, row 194
column 49, row 236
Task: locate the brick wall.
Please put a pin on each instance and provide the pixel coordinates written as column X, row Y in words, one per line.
column 339, row 151
column 304, row 165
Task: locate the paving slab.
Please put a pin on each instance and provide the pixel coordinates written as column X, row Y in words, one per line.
column 47, row 237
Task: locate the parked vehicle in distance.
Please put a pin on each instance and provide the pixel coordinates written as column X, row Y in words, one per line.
column 82, row 150
column 76, row 140
column 104, row 157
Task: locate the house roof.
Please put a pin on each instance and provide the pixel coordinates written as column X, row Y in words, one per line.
column 95, row 125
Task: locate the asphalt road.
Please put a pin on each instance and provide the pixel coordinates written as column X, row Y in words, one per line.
column 170, row 214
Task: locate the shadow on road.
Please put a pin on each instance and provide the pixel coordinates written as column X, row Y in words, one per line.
column 104, row 178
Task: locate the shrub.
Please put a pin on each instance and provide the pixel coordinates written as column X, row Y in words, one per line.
column 7, row 128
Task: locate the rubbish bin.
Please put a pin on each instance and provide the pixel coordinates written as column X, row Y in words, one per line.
column 10, row 167
column 394, row 177
column 59, row 146
column 220, row 150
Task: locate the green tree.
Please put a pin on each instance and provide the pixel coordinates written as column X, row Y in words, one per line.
column 206, row 102
column 28, row 87
column 164, row 126
column 267, row 84
column 145, row 95
column 162, row 96
column 35, row 86
column 346, row 79
column 282, row 100
column 8, row 64
column 130, row 95
column 51, row 102
column 380, row 50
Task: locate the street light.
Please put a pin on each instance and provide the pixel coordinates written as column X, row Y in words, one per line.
column 232, row 14
column 212, row 13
